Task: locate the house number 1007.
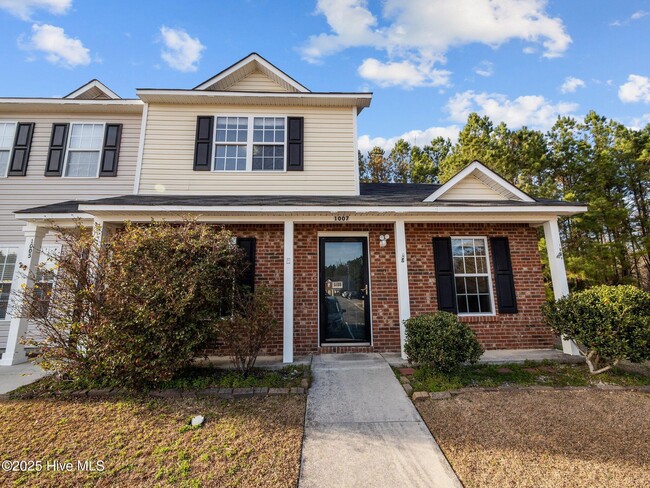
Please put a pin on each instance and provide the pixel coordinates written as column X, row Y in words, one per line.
column 341, row 218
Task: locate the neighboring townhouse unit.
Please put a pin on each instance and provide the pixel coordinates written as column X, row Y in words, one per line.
column 81, row 146
column 256, row 152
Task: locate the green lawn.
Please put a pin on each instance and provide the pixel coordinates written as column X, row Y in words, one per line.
column 530, row 373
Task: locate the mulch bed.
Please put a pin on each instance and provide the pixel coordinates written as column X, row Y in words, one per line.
column 148, row 441
column 544, row 438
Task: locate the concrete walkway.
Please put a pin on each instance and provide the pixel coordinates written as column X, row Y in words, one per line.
column 12, row 377
column 362, row 430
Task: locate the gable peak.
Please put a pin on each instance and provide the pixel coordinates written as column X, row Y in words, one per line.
column 93, row 90
column 245, row 67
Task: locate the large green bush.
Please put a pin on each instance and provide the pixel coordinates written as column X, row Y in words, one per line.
column 140, row 308
column 441, row 341
column 608, row 323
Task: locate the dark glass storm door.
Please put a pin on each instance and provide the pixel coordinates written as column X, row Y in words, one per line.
column 344, row 290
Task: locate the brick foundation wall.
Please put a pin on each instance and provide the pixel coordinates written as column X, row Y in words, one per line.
column 383, row 284
column 523, row 330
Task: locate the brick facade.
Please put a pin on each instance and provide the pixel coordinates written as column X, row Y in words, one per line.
column 521, row 330
column 269, row 269
column 383, row 283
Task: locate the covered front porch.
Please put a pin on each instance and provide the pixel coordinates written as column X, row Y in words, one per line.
column 396, row 263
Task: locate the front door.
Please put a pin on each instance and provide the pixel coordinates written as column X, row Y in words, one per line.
column 344, row 290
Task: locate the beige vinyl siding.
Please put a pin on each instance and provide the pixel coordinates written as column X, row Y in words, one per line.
column 329, row 155
column 471, row 188
column 256, row 82
column 20, row 192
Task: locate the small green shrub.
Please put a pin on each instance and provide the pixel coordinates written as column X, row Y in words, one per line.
column 440, row 341
column 608, row 323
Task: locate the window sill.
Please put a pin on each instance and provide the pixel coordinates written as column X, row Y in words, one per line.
column 479, row 317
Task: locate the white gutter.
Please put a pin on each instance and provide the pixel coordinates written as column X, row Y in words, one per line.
column 65, row 101
column 557, row 209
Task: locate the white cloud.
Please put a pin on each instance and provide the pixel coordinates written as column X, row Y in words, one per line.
column 533, row 111
column 639, row 14
column 484, row 68
column 637, row 89
column 57, row 47
column 638, row 123
column 404, row 73
column 422, row 31
column 25, row 8
column 414, row 137
column 181, row 52
column 571, row 84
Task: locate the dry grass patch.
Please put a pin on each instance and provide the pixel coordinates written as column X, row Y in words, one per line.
column 148, row 442
column 544, row 438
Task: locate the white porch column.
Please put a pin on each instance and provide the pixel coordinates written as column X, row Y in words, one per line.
column 15, row 352
column 558, row 273
column 403, row 297
column 287, row 344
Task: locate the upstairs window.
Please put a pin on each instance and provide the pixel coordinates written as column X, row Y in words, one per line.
column 84, row 150
column 249, row 144
column 268, row 143
column 7, row 133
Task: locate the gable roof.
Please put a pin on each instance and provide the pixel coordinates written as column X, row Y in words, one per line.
column 247, row 66
column 93, row 90
column 493, row 183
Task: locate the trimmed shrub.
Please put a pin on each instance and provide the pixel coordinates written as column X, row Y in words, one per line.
column 608, row 323
column 137, row 310
column 248, row 328
column 440, row 341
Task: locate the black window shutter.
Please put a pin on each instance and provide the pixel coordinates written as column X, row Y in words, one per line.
column 203, row 143
column 503, row 276
column 295, row 143
column 248, row 244
column 22, row 145
column 111, row 151
column 445, row 282
column 56, row 154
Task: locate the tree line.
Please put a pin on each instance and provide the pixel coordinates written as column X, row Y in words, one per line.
column 598, row 161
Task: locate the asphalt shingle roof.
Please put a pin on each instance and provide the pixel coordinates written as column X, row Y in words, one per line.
column 372, row 194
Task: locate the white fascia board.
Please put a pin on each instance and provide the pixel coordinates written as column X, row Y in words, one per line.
column 247, row 60
column 478, row 166
column 66, row 101
column 94, row 84
column 140, row 92
column 31, row 217
column 268, row 209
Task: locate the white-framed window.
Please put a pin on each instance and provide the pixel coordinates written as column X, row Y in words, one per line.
column 472, row 274
column 46, row 274
column 8, row 259
column 7, row 134
column 250, row 143
column 84, row 150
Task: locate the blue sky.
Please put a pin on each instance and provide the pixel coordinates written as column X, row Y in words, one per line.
column 428, row 62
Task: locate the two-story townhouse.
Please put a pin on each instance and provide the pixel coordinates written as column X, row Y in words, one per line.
column 253, row 150
column 81, row 146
